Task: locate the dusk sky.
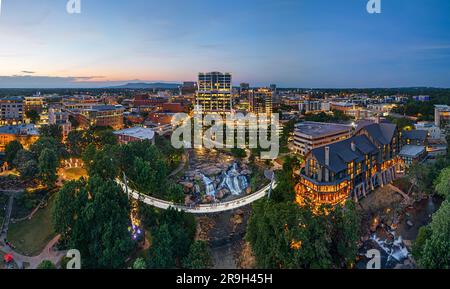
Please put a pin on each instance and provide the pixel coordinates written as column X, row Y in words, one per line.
column 293, row 43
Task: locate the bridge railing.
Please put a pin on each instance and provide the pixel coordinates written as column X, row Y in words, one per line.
column 201, row 209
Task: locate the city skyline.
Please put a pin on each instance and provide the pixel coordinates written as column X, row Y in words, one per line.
column 310, row 44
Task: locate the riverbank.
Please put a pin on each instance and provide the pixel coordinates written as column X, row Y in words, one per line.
column 391, row 224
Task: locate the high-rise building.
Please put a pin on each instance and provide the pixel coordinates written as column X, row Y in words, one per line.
column 244, row 86
column 214, row 93
column 260, row 100
column 35, row 103
column 11, row 110
column 442, row 115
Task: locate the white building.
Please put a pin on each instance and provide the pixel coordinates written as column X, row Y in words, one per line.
column 311, row 135
column 434, row 132
column 135, row 134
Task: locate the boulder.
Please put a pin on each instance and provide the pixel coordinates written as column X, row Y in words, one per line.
column 246, row 172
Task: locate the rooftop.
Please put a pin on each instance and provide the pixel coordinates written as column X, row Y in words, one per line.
column 317, row 129
column 382, row 132
column 106, row 107
column 25, row 129
column 442, row 107
column 341, row 152
column 137, row 132
column 12, row 98
column 412, row 151
column 415, row 135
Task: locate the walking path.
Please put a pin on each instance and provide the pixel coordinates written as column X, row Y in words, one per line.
column 32, row 262
column 7, row 219
column 184, row 160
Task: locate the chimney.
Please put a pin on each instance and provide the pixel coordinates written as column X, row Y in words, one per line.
column 327, row 156
column 353, row 146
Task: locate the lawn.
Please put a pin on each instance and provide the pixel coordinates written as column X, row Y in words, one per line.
column 31, row 236
column 73, row 174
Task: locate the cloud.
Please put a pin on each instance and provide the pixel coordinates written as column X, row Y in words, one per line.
column 31, row 81
column 28, row 72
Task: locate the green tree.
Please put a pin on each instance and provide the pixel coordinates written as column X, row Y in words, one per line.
column 436, row 251
column 48, row 163
column 105, row 137
column 182, row 230
column 139, row 264
column 284, row 235
column 199, row 256
column 33, row 116
column 345, row 222
column 97, row 224
column 101, row 163
column 238, row 153
column 75, row 143
column 161, row 253
column 68, row 204
column 46, row 265
column 442, row 185
column 26, row 164
column 50, row 143
column 419, row 243
column 51, row 131
column 420, row 177
column 11, row 151
column 176, row 194
column 288, row 130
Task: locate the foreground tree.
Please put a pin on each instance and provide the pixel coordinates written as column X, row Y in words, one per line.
column 51, row 131
column 68, row 204
column 285, row 236
column 48, row 143
column 199, row 256
column 11, row 151
column 139, row 264
column 46, row 265
column 436, row 251
column 442, row 186
column 161, row 253
column 48, row 163
column 96, row 223
column 26, row 165
column 419, row 243
column 345, row 222
column 75, row 143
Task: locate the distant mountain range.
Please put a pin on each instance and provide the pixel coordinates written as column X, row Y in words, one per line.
column 143, row 85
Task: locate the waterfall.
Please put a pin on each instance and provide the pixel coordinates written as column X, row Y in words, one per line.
column 395, row 250
column 231, row 180
column 209, row 185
